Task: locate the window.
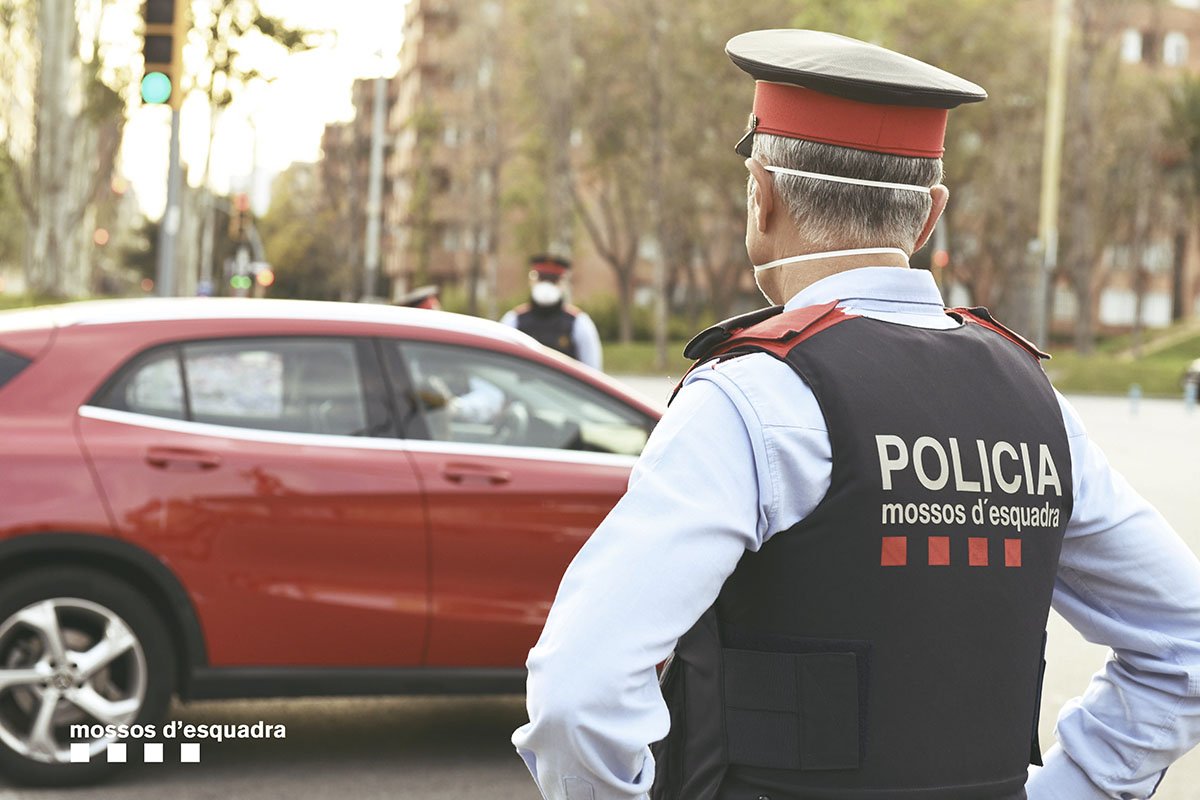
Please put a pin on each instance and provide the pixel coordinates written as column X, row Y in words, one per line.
column 302, row 385
column 151, row 385
column 473, row 396
column 10, row 365
column 1175, row 49
column 1131, row 46
column 306, row 385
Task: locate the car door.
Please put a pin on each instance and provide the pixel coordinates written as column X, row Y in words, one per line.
column 249, row 466
column 520, row 462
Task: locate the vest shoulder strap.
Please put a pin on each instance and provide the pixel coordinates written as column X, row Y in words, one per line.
column 981, row 316
column 521, row 309
column 771, row 330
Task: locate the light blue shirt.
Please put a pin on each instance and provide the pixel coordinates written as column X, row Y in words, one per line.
column 587, row 338
column 743, row 453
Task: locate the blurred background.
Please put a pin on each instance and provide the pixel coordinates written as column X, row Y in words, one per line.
column 359, row 149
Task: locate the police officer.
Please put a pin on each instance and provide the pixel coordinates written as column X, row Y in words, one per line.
column 550, row 319
column 848, row 528
column 422, row 297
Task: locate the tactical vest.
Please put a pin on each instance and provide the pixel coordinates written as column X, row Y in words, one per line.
column 553, row 326
column 890, row 644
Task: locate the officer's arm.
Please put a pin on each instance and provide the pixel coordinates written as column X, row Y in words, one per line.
column 587, row 341
column 509, row 319
column 1125, row 580
column 645, row 576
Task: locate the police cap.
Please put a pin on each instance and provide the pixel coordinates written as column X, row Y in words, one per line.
column 832, row 89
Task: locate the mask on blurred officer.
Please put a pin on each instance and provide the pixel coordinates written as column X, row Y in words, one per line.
column 546, row 293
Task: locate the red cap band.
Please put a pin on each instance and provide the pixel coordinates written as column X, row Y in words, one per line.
column 550, row 267
column 798, row 113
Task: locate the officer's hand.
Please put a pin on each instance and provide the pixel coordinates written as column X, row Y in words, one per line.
column 433, row 394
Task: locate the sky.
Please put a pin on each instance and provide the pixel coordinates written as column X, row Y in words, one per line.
column 285, row 117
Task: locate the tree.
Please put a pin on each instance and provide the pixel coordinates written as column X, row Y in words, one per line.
column 227, row 29
column 76, row 131
column 298, row 233
column 1183, row 134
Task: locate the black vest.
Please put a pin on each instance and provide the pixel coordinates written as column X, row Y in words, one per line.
column 889, row 645
column 553, row 326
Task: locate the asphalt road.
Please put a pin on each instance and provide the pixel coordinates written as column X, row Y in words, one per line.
column 443, row 748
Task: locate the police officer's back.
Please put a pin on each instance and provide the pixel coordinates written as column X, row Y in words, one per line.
column 847, row 529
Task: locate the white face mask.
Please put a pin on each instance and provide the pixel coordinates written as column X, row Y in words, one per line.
column 544, row 293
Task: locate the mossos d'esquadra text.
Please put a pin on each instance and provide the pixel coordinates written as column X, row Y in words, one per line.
column 978, row 467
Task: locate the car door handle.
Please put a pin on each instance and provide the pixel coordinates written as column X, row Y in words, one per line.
column 474, row 473
column 181, row 458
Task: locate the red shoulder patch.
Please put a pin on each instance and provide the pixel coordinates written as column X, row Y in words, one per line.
column 779, row 334
column 776, row 335
column 982, row 317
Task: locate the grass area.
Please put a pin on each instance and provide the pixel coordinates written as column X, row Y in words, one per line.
column 1102, row 373
column 637, row 358
column 1110, row 371
column 24, row 301
column 1159, row 375
column 1188, row 349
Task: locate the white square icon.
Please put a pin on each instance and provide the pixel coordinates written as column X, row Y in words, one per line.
column 80, row 752
column 116, row 753
column 152, row 752
column 189, row 753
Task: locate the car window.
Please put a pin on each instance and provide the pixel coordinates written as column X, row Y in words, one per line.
column 10, row 365
column 152, row 385
column 474, row 396
column 305, row 385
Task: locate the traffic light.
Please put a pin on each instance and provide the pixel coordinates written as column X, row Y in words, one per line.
column 239, row 214
column 162, row 50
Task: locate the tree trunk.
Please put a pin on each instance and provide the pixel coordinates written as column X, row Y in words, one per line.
column 1178, row 258
column 50, row 246
column 560, row 111
column 624, row 302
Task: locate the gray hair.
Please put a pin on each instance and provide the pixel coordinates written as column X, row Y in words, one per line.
column 836, row 216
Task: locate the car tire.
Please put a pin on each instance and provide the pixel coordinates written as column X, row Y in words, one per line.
column 115, row 665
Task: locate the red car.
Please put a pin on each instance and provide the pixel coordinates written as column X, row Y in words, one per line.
column 243, row 498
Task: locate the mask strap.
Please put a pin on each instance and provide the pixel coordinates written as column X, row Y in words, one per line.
column 862, row 251
column 911, row 187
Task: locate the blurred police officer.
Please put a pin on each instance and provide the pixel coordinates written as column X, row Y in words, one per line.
column 847, row 530
column 427, row 297
column 550, row 319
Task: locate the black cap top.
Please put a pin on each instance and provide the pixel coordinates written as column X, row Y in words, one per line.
column 849, row 68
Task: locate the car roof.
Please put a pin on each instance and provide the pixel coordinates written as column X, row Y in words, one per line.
column 152, row 309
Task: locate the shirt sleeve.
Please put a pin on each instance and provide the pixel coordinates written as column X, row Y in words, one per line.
column 509, row 319
column 1125, row 580
column 587, row 341
column 650, row 570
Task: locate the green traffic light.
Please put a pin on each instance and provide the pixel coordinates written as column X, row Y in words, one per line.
column 156, row 88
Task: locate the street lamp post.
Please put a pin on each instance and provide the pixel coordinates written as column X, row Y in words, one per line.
column 1056, row 99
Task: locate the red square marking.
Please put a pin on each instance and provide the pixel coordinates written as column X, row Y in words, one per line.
column 1012, row 552
column 895, row 551
column 939, row 551
column 977, row 551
